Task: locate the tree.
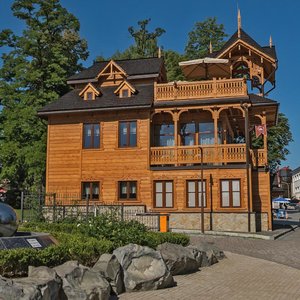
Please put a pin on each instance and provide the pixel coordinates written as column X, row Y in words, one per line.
column 202, row 35
column 145, row 42
column 279, row 137
column 34, row 72
column 172, row 59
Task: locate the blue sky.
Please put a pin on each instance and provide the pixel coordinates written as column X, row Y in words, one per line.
column 104, row 25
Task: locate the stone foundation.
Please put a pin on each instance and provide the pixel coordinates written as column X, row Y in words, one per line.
column 237, row 222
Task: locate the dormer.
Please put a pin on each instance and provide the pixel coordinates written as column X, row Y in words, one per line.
column 112, row 74
column 89, row 92
column 125, row 90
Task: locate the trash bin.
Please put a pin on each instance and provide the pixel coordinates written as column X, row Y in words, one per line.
column 281, row 214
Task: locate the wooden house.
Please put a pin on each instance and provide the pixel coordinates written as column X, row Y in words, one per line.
column 124, row 134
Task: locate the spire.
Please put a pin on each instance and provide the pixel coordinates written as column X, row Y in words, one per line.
column 210, row 47
column 159, row 52
column 271, row 42
column 239, row 23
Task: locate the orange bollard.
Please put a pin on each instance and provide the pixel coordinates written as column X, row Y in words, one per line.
column 164, row 223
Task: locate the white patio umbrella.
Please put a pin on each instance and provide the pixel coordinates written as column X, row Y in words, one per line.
column 205, row 68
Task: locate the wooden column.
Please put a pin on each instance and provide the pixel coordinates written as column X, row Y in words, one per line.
column 175, row 120
column 264, row 122
column 215, row 116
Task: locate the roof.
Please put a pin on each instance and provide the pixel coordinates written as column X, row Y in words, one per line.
column 249, row 40
column 73, row 102
column 254, row 99
column 132, row 67
column 296, row 171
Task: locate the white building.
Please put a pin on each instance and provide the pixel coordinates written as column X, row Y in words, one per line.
column 296, row 183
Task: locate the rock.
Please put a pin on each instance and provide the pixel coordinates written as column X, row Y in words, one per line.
column 179, row 259
column 110, row 268
column 41, row 283
column 82, row 283
column 10, row 291
column 205, row 246
column 144, row 268
column 210, row 253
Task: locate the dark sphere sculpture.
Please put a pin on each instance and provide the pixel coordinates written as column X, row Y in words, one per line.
column 8, row 220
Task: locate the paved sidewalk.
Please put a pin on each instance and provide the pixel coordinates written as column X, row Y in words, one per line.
column 236, row 277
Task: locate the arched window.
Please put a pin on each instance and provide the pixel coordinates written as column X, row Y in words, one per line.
column 241, row 70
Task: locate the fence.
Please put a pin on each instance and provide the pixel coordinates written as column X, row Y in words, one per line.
column 48, row 207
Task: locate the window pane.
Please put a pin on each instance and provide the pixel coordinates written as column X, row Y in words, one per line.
column 86, row 192
column 133, row 133
column 158, row 200
column 225, row 186
column 87, row 135
column 123, row 134
column 132, row 193
column 236, row 199
column 158, row 187
column 169, row 200
column 200, row 186
column 191, row 186
column 123, row 190
column 191, row 200
column 95, row 186
column 225, row 199
column 187, row 133
column 235, row 185
column 96, row 135
column 89, row 96
column 169, row 187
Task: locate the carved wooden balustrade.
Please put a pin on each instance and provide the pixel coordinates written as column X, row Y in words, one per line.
column 219, row 154
column 200, row 89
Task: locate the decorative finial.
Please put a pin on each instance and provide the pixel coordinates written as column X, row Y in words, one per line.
column 239, row 23
column 159, row 52
column 271, row 42
column 210, row 47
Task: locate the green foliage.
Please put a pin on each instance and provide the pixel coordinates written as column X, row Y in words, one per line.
column 153, row 239
column 279, row 137
column 172, row 59
column 202, row 35
column 34, row 72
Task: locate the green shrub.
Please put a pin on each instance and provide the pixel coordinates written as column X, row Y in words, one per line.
column 153, row 239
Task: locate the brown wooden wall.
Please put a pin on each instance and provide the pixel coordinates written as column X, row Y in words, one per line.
column 68, row 165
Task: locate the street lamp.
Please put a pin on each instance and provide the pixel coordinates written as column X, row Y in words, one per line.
column 202, row 196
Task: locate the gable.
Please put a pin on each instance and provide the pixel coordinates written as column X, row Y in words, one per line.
column 123, row 87
column 89, row 92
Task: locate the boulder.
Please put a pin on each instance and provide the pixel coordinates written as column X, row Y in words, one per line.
column 205, row 246
column 41, row 283
column 9, row 290
column 179, row 259
column 110, row 268
column 82, row 283
column 144, row 268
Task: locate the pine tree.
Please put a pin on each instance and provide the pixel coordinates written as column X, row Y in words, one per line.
column 34, row 72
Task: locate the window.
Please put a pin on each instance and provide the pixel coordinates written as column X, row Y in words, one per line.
column 127, row 134
column 164, row 135
column 194, row 193
column 90, row 191
column 91, row 136
column 127, row 190
column 188, row 133
column 163, row 192
column 89, row 96
column 124, row 93
column 231, row 193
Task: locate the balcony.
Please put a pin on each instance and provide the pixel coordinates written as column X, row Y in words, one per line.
column 212, row 154
column 200, row 89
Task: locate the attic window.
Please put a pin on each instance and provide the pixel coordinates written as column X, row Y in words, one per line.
column 125, row 93
column 90, row 96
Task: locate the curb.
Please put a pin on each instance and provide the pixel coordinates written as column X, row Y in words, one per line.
column 240, row 234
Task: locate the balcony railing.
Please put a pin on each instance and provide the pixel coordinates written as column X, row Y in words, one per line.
column 220, row 154
column 200, row 89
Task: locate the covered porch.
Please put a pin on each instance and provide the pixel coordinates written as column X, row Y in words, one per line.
column 179, row 135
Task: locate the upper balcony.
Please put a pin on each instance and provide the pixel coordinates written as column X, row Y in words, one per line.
column 205, row 89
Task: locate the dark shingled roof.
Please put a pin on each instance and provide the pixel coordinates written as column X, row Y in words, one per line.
column 130, row 66
column 72, row 102
column 249, row 40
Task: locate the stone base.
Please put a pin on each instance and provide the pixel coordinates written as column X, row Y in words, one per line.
column 237, row 222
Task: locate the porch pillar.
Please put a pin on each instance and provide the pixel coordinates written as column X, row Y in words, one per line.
column 175, row 120
column 264, row 122
column 215, row 116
